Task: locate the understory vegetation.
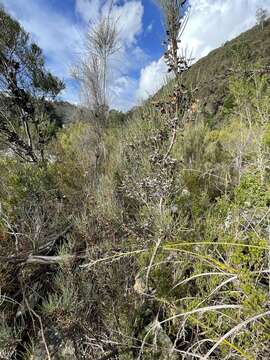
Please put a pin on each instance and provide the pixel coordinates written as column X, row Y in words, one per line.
column 148, row 238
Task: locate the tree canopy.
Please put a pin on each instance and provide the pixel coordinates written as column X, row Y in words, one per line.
column 25, row 86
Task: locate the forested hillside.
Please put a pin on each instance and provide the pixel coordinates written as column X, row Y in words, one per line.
column 137, row 236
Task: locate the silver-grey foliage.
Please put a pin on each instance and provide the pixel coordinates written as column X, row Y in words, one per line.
column 101, row 43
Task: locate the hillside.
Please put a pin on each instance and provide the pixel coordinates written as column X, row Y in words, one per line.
column 145, row 237
column 211, row 74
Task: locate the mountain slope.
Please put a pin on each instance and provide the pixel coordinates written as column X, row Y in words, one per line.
column 210, row 75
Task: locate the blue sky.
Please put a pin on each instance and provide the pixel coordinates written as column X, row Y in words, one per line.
column 58, row 26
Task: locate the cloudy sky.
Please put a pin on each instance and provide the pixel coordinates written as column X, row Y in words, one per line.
column 58, row 26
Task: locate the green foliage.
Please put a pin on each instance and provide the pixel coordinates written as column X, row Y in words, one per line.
column 211, row 74
column 25, row 84
column 21, row 183
column 27, row 54
column 266, row 137
column 241, row 52
column 116, row 118
column 212, row 217
column 252, row 193
column 167, row 247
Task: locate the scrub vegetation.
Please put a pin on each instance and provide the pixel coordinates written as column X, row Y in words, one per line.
column 145, row 235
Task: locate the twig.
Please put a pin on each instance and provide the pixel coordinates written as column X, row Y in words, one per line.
column 171, row 144
column 37, row 259
column 111, row 258
column 233, row 331
column 41, row 327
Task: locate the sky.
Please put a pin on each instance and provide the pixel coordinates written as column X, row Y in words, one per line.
column 59, row 27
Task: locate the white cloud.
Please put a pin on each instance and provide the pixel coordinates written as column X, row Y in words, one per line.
column 123, row 85
column 129, row 21
column 212, row 22
column 88, row 9
column 123, row 91
column 149, row 27
column 152, row 78
column 58, row 36
column 61, row 38
column 128, row 16
column 122, row 94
